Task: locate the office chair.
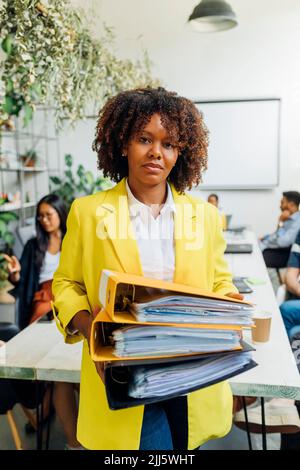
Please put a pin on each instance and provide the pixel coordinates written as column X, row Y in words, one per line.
column 23, row 234
column 276, row 258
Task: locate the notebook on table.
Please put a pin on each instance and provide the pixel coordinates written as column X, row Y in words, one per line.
column 242, row 285
column 239, row 248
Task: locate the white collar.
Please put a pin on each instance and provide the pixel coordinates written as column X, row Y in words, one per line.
column 135, row 206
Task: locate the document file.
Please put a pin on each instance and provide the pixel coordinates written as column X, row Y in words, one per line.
column 137, row 383
column 185, row 309
column 154, row 341
column 149, row 341
column 129, row 298
column 158, row 381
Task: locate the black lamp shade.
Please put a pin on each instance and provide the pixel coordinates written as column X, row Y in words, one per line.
column 213, row 15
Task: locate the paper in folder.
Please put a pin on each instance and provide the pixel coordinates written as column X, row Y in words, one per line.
column 136, row 383
column 159, row 339
column 186, row 309
column 111, row 341
column 129, row 298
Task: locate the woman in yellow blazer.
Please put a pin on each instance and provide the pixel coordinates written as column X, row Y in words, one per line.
column 145, row 138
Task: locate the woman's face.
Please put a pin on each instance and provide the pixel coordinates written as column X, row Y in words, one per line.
column 48, row 218
column 151, row 154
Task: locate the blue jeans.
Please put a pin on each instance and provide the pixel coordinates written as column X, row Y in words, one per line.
column 290, row 311
column 156, row 434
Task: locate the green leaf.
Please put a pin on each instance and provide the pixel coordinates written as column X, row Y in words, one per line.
column 13, row 104
column 69, row 175
column 69, row 160
column 55, row 180
column 8, row 105
column 36, row 91
column 3, row 275
column 28, row 114
column 9, row 216
column 89, row 177
column 7, row 44
column 9, row 238
column 80, row 171
column 9, row 85
column 2, row 227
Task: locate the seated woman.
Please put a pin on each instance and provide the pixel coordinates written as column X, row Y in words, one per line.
column 32, row 277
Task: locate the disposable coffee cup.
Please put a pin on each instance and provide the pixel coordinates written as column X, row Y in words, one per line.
column 261, row 331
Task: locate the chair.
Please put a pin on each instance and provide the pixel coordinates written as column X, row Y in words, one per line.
column 276, row 258
column 23, row 234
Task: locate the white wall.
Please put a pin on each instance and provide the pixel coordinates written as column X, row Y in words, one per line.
column 260, row 58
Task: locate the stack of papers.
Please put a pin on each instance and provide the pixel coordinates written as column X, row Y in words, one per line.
column 186, row 309
column 159, row 381
column 151, row 341
column 160, row 339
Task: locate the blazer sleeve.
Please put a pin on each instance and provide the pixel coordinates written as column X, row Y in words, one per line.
column 68, row 286
column 222, row 276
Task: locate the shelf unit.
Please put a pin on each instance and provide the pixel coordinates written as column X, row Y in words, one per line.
column 32, row 182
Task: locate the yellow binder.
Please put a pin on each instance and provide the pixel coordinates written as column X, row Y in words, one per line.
column 116, row 287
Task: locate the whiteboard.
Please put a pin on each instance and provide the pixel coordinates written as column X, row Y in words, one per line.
column 243, row 150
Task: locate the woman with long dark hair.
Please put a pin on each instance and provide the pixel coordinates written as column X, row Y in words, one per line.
column 32, row 277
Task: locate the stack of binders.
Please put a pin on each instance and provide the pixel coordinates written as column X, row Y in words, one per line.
column 160, row 340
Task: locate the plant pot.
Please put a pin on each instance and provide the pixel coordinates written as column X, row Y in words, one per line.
column 27, row 161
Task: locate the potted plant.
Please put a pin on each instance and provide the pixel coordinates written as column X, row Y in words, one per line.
column 29, row 158
column 79, row 184
column 6, row 243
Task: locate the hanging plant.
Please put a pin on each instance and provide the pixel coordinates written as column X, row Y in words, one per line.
column 50, row 57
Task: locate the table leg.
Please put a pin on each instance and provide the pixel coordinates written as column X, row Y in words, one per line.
column 49, row 416
column 247, row 424
column 263, row 424
column 39, row 414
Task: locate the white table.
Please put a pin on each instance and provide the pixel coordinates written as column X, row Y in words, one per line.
column 277, row 374
column 39, row 351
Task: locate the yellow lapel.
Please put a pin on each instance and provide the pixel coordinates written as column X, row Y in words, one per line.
column 118, row 228
column 189, row 239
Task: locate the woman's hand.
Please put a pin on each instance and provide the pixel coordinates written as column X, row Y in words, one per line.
column 82, row 322
column 99, row 365
column 13, row 267
column 235, row 295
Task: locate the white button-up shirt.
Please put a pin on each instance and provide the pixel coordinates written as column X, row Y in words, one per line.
column 154, row 236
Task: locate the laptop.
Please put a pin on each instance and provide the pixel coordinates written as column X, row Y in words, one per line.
column 241, row 284
column 228, row 220
column 239, row 248
column 237, row 229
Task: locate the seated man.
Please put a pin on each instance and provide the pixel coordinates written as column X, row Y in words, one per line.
column 290, row 310
column 288, row 224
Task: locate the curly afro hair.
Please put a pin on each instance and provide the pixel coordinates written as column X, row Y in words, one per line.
column 126, row 114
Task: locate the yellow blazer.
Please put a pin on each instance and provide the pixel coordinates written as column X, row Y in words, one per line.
column 96, row 239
